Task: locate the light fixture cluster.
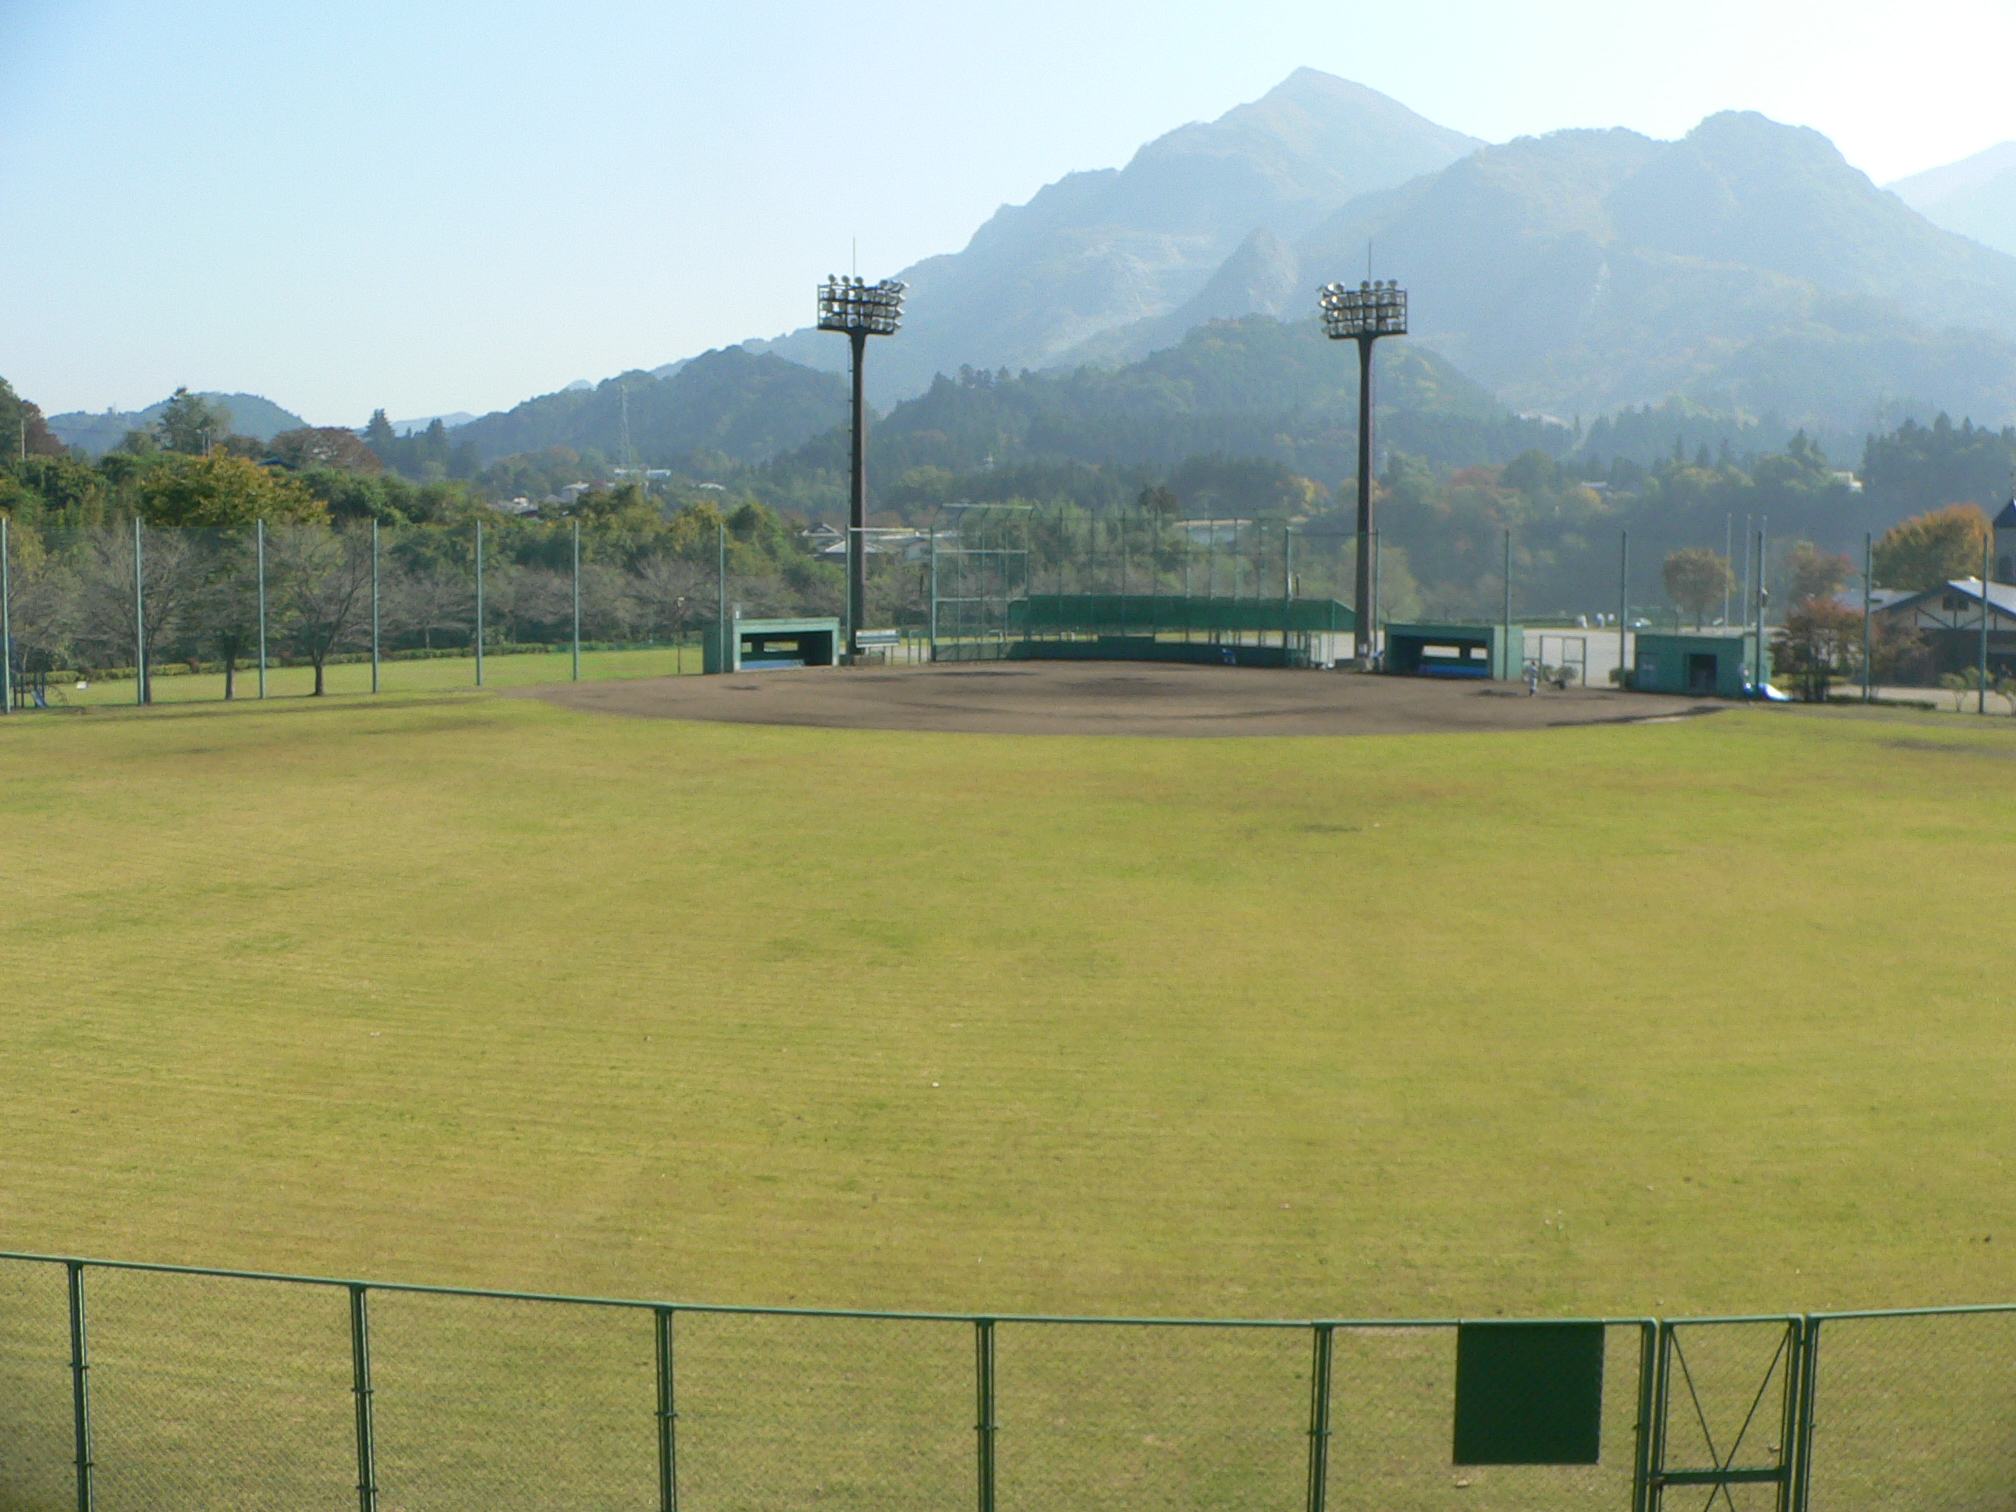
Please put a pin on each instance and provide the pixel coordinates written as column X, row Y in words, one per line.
column 1371, row 309
column 848, row 304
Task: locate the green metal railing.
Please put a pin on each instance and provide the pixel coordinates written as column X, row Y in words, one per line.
column 129, row 1384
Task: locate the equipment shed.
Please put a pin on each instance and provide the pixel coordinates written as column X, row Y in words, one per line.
column 754, row 644
column 1704, row 663
column 1489, row 651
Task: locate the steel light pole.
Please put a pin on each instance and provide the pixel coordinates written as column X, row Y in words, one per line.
column 858, row 310
column 1363, row 315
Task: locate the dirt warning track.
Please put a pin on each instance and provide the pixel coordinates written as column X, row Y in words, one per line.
column 1109, row 698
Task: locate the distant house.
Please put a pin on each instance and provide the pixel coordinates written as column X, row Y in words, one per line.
column 1949, row 618
column 830, row 542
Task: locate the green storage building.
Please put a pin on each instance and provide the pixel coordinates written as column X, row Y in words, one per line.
column 1707, row 663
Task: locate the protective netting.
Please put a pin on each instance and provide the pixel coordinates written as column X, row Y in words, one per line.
column 1914, row 1412
column 37, row 1469
column 493, row 1404
column 1120, row 1416
column 232, row 1392
column 856, row 1414
column 218, row 1393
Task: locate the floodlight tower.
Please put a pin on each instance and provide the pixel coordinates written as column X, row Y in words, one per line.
column 1363, row 315
column 858, row 310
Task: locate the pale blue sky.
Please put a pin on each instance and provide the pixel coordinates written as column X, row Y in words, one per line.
column 437, row 206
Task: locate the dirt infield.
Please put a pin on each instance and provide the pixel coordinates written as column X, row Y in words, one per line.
column 1109, row 698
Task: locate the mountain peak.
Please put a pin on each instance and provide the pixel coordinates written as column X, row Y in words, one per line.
column 1095, row 252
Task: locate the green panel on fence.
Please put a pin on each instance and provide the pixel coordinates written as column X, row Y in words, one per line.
column 1529, row 1393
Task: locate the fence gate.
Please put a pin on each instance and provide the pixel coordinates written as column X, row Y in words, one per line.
column 1726, row 1415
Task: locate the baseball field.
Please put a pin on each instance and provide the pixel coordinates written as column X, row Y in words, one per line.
column 1693, row 1015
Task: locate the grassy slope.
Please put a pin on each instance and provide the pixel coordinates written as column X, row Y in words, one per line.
column 1693, row 1016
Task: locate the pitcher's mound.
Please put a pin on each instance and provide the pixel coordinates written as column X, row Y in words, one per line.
column 1110, row 698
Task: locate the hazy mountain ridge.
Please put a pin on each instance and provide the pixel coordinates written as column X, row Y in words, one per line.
column 1975, row 197
column 1746, row 265
column 1099, row 250
column 1254, row 387
column 747, row 406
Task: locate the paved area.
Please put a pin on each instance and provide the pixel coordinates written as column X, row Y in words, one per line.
column 1111, row 698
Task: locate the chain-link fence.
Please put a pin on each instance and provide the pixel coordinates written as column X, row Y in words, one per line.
column 138, row 614
column 147, row 1386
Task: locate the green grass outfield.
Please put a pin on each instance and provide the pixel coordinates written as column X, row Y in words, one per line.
column 440, row 674
column 1695, row 1016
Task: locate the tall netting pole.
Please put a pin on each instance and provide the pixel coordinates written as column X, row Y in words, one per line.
column 479, row 603
column 139, row 623
column 259, row 556
column 6, row 628
column 374, row 606
column 1868, row 565
column 577, row 601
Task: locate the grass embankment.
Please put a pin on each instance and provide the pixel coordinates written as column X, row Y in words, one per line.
column 1688, row 1017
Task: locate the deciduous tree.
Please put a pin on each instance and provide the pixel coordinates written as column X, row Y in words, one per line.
column 1816, row 574
column 1695, row 578
column 190, row 423
column 221, row 489
column 1932, row 548
column 324, row 578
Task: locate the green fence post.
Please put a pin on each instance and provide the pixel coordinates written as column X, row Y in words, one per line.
column 577, row 604
column 1793, row 1414
column 6, row 629
column 479, row 603
column 668, row 1463
column 139, row 623
column 1809, row 1386
column 1319, row 1418
column 259, row 557
column 374, row 606
column 80, row 1385
column 934, row 587
column 1662, row 1384
column 984, row 1425
column 1648, row 1369
column 360, row 1391
column 721, row 596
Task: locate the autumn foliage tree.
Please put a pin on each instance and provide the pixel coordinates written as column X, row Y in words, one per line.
column 222, row 490
column 1932, row 548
